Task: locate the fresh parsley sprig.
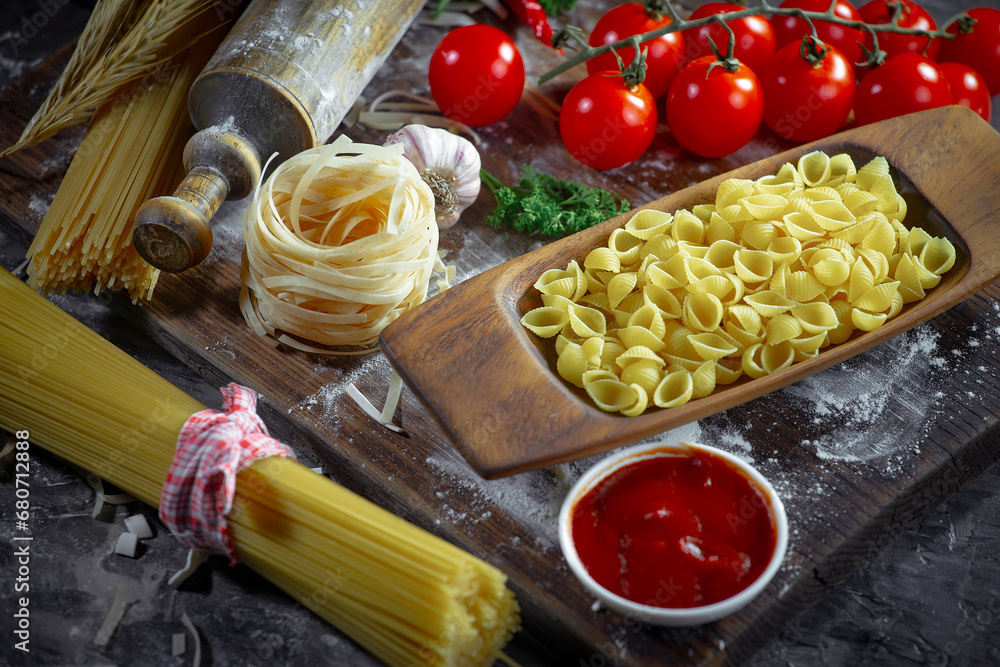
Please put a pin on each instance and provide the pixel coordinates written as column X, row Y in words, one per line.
column 543, row 204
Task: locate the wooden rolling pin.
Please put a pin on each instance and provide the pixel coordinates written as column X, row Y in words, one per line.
column 281, row 82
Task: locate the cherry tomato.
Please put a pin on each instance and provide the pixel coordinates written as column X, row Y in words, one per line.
column 712, row 111
column 979, row 48
column 788, row 29
column 606, row 124
column 476, row 75
column 803, row 101
column 666, row 53
column 754, row 37
column 967, row 88
column 912, row 16
column 904, row 84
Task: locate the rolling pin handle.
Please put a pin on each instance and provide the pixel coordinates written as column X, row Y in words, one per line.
column 173, row 233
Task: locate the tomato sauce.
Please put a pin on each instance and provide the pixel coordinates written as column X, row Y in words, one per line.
column 675, row 531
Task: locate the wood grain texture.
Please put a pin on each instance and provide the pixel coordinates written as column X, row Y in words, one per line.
column 525, row 416
column 841, row 511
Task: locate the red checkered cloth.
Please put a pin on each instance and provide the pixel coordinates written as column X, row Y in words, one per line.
column 211, row 449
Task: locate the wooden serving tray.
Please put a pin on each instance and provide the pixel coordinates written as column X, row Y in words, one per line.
column 492, row 384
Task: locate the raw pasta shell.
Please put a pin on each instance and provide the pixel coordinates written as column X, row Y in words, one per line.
column 687, row 227
column 696, row 268
column 781, row 328
column 640, row 337
column 785, row 250
column 831, row 215
column 881, row 238
column 610, row 395
column 571, row 364
column 831, row 269
column 719, row 230
column 802, row 226
column 702, row 312
column 938, row 255
column 727, row 371
column 646, row 374
column 860, row 202
column 754, row 266
column 639, row 354
column 587, row 322
column 731, row 191
column 546, row 321
column 661, row 246
column 803, row 286
column 815, row 317
column 872, row 171
column 675, row 362
column 861, row 280
column 747, row 318
column 808, row 343
column 711, row 346
column 650, row 318
column 647, row 223
column 814, row 168
column 769, row 303
column 915, row 241
column 842, row 169
column 703, row 211
column 876, row 261
column 674, row 389
column 774, row 358
column 867, row 321
column 735, row 215
column 759, row 234
column 677, row 341
column 620, row 287
column 641, row 402
column 878, row 299
column 597, row 300
column 764, row 206
column 722, row 254
column 625, row 246
column 703, row 380
column 610, row 352
column 662, row 299
column 593, row 351
column 603, row 259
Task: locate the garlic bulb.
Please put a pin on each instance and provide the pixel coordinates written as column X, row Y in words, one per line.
column 448, row 163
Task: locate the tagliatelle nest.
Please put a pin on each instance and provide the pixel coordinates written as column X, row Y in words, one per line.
column 340, row 241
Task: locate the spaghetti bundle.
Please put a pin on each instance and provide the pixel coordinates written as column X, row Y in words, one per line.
column 132, row 151
column 340, row 241
column 407, row 596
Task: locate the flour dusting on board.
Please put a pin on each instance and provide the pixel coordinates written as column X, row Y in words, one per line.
column 876, row 403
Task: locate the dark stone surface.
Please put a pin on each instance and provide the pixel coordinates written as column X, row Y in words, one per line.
column 931, row 597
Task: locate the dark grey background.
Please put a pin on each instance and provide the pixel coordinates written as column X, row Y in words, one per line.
column 932, row 597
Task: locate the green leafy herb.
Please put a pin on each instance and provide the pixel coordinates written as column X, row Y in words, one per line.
column 440, row 6
column 557, row 7
column 543, row 204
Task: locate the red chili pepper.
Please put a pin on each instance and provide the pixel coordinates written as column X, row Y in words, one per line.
column 531, row 14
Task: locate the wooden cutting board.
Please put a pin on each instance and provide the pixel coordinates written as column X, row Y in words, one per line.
column 857, row 452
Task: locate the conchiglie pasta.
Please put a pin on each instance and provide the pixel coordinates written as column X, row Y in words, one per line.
column 679, row 304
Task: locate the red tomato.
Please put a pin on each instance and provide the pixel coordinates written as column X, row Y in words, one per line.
column 913, row 16
column 476, row 75
column 904, row 84
column 967, row 88
column 604, row 123
column 712, row 111
column 666, row 53
column 754, row 37
column 789, row 29
column 979, row 48
column 803, row 101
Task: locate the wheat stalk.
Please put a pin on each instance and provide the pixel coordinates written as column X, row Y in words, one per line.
column 123, row 41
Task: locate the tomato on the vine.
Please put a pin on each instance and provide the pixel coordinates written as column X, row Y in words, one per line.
column 808, row 91
column 665, row 55
column 979, row 48
column 713, row 111
column 476, row 75
column 911, row 15
column 754, row 38
column 904, row 84
column 605, row 123
column 967, row 88
column 788, row 29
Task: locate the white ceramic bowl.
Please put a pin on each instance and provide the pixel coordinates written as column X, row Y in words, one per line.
column 666, row 616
